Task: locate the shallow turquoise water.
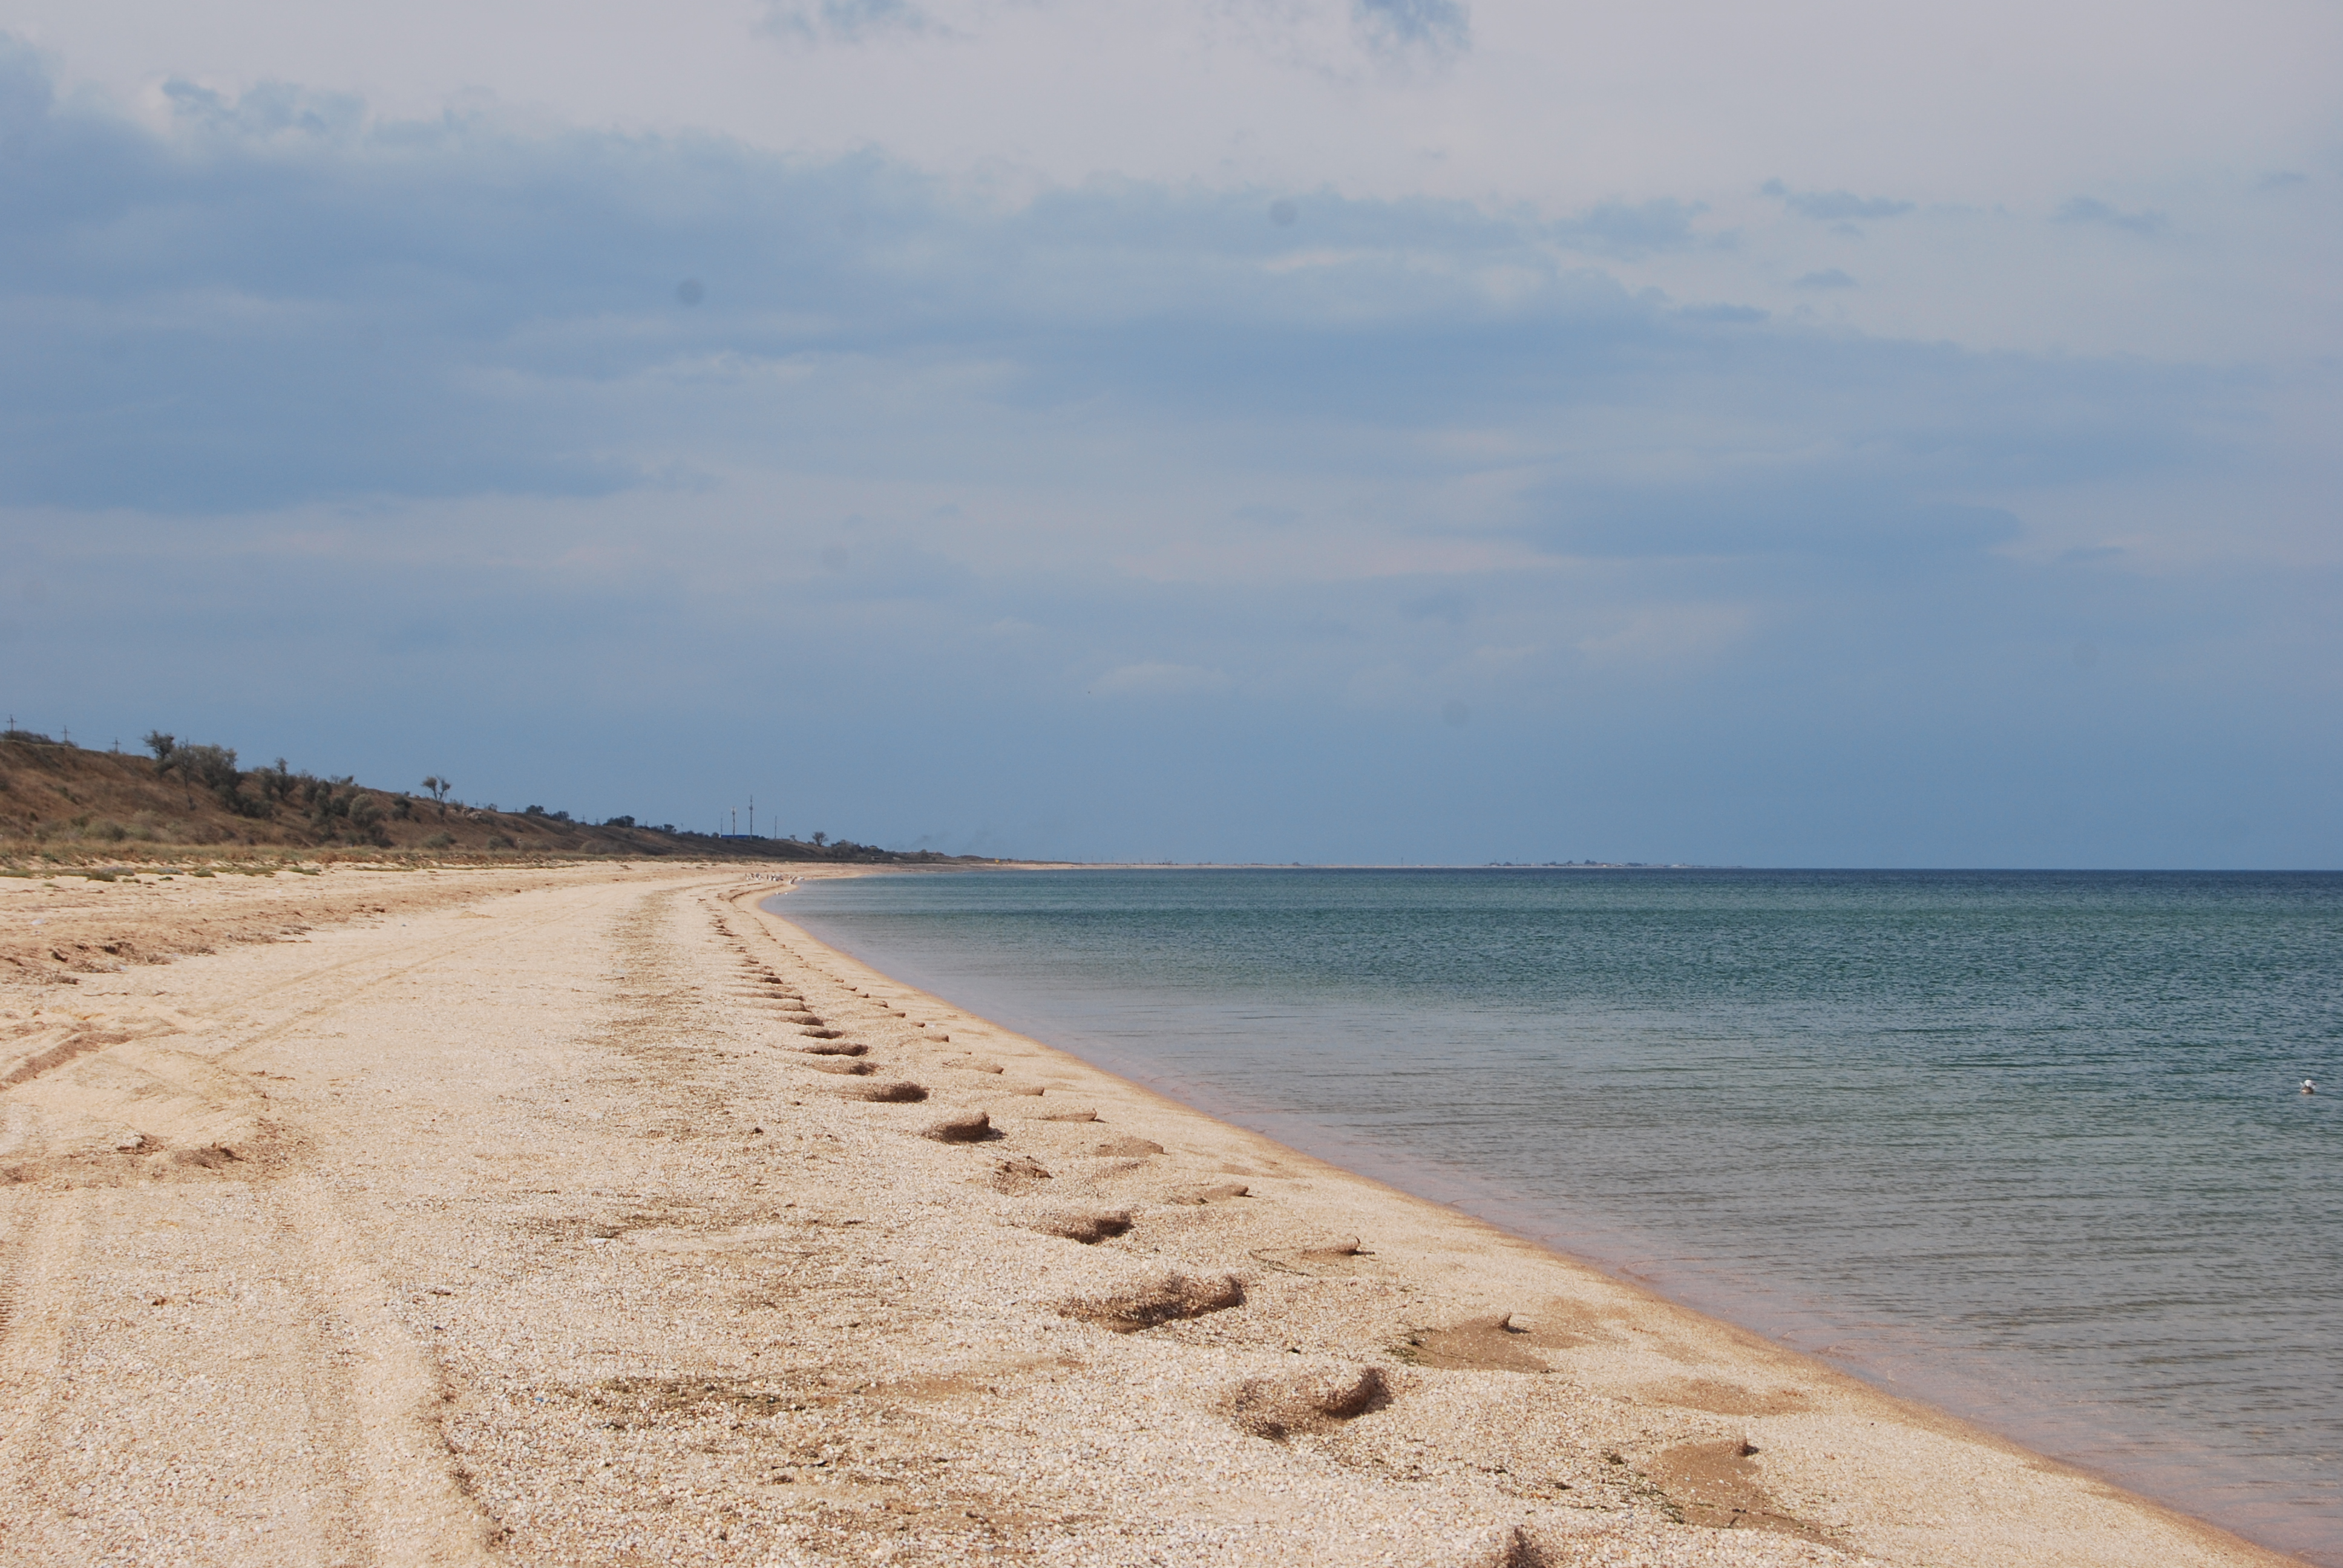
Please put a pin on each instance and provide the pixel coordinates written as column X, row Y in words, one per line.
column 2029, row 1145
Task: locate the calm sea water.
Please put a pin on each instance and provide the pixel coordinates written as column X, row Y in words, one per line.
column 2026, row 1145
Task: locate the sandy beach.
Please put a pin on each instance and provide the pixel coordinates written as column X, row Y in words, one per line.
column 594, row 1215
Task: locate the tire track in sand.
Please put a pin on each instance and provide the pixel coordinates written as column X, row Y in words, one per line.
column 329, row 1380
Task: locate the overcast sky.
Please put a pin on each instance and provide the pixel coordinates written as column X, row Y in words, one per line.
column 1349, row 430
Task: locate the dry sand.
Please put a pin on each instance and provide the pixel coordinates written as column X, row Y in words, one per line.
column 511, row 1215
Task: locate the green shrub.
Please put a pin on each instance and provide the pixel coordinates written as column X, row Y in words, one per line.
column 440, row 841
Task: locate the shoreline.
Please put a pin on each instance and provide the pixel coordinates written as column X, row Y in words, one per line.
column 1802, row 1370
column 1615, row 1250
column 512, row 1217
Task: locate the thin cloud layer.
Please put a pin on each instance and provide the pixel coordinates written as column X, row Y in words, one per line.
column 281, row 304
column 1170, row 508
column 2088, row 209
column 1836, row 207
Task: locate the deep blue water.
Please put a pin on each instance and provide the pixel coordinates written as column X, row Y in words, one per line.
column 2029, row 1145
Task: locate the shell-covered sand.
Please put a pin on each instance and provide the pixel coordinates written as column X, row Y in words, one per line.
column 592, row 1215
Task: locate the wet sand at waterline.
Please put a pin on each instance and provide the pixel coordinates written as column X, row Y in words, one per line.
column 591, row 1215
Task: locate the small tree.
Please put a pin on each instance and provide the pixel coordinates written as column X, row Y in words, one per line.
column 820, row 840
column 438, row 787
column 160, row 744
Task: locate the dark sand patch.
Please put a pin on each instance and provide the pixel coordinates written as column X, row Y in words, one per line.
column 1021, row 1174
column 1088, row 1227
column 1490, row 1344
column 895, row 1093
column 1729, row 1399
column 1129, row 1148
column 960, row 1126
column 1153, row 1299
column 1217, row 1192
column 1313, row 1399
column 1716, row 1483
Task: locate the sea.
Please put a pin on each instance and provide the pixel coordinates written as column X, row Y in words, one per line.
column 2029, row 1146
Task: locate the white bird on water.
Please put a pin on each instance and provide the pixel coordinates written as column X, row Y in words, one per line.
column 2309, row 1087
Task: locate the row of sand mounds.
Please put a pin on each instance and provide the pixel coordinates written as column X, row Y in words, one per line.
column 1710, row 1483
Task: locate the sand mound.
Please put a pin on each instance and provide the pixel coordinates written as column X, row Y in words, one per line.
column 1716, row 1483
column 847, row 1066
column 1218, row 1192
column 1019, row 1175
column 1089, row 1228
column 1491, row 1343
column 970, row 1064
column 822, row 1033
column 894, row 1093
column 810, row 1020
column 834, row 1047
column 960, row 1126
column 1310, row 1399
column 1157, row 1297
column 1128, row 1148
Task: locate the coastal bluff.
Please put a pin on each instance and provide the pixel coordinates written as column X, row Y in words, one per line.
column 595, row 1214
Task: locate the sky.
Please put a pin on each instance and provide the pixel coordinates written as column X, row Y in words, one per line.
column 1323, row 430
